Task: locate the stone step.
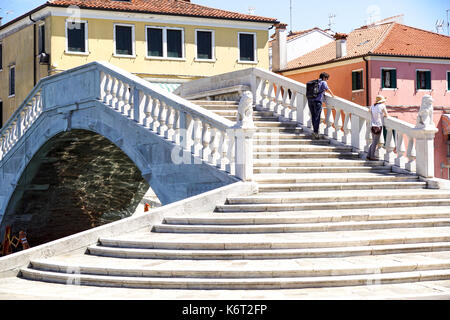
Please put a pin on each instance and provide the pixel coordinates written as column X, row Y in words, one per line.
column 292, row 187
column 341, row 196
column 279, row 130
column 277, row 135
column 306, row 267
column 316, row 216
column 300, row 148
column 331, row 205
column 233, row 254
column 331, row 177
column 306, row 227
column 269, row 124
column 332, row 169
column 314, row 163
column 252, row 283
column 306, row 154
column 215, row 102
column 277, row 142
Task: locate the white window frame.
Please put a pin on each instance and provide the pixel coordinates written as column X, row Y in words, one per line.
column 415, row 81
column 9, row 81
column 133, row 42
column 213, row 46
column 381, row 78
column 254, row 46
column 164, row 44
column 362, row 79
column 86, row 40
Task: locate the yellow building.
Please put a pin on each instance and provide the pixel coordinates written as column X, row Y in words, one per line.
column 163, row 41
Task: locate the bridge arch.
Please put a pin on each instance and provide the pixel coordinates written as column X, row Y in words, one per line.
column 151, row 155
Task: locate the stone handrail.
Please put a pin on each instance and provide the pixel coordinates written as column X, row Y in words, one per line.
column 194, row 130
column 406, row 147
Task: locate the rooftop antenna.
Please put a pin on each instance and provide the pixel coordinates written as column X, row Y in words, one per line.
column 290, row 15
column 448, row 26
column 331, row 17
column 440, row 25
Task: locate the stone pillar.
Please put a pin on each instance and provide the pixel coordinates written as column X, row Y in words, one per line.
column 425, row 138
column 279, row 49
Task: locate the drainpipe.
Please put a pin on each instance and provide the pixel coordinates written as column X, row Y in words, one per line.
column 34, row 50
column 367, row 81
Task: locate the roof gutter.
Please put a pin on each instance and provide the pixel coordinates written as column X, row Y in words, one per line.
column 367, row 81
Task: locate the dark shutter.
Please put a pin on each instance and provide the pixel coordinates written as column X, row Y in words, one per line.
column 448, row 80
column 427, row 79
column 41, row 39
column 246, row 47
column 353, row 80
column 12, row 81
column 1, row 56
column 394, row 79
column 1, row 114
column 124, row 40
column 383, row 77
column 418, row 80
column 76, row 41
column 204, row 45
column 154, row 42
column 174, row 44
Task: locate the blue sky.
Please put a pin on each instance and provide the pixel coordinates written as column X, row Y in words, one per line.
column 349, row 14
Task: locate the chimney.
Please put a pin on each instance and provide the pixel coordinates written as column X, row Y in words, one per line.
column 341, row 45
column 279, row 50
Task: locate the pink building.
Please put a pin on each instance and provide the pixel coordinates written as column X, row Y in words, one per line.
column 400, row 62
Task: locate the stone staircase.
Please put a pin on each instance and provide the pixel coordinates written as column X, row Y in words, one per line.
column 323, row 217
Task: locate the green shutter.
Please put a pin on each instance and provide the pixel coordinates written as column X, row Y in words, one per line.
column 417, row 80
column 394, row 79
column 448, row 80
column 382, row 78
column 353, row 80
column 427, row 79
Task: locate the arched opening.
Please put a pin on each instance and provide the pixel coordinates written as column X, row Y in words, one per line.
column 77, row 181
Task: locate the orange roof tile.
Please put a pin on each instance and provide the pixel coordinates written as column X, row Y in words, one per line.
column 169, row 7
column 385, row 39
column 408, row 41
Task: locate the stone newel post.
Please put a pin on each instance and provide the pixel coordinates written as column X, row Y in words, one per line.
column 425, row 138
column 244, row 131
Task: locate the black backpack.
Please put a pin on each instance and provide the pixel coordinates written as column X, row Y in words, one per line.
column 312, row 89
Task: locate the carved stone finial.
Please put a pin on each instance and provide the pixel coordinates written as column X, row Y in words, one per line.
column 245, row 111
column 425, row 115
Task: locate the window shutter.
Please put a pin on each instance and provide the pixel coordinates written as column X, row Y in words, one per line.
column 428, row 79
column 353, row 80
column 394, row 79
column 417, row 80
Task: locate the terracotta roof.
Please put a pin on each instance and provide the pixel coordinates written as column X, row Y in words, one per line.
column 385, row 39
column 169, row 7
column 295, row 34
column 408, row 41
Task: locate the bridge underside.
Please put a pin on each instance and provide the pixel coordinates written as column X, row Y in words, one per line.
column 78, row 180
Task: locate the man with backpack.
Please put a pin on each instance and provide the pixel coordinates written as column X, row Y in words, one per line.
column 315, row 91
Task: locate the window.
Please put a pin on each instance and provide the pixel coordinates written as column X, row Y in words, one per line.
column 124, row 40
column 205, row 44
column 41, row 39
column 388, row 78
column 1, row 114
column 12, row 81
column 165, row 42
column 1, row 56
column 247, row 47
column 423, row 80
column 357, row 80
column 77, row 37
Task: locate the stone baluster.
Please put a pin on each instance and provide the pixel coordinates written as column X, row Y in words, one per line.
column 214, row 157
column 178, row 123
column 155, row 114
column 411, row 155
column 103, row 84
column 115, row 92
column 390, row 146
column 303, row 115
column 109, row 87
column 188, row 131
column 329, row 120
column 265, row 94
column 147, row 103
column 400, row 160
column 223, row 150
column 278, row 105
column 162, row 118
column 231, row 154
column 286, row 104
column 381, row 150
column 271, row 97
column 347, row 129
column 337, row 134
column 170, row 124
column 368, row 136
column 259, row 91
column 197, row 136
column 206, row 139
